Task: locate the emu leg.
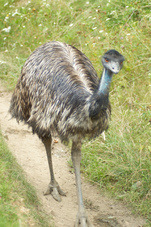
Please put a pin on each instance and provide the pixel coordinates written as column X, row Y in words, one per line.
column 81, row 219
column 53, row 188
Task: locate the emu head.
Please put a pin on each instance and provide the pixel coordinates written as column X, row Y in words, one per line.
column 113, row 61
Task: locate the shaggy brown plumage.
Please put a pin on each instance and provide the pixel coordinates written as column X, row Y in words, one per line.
column 53, row 93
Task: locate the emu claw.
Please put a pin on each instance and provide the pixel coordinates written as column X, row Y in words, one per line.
column 82, row 221
column 55, row 191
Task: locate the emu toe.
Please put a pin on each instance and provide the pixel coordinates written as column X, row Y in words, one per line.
column 55, row 191
column 82, row 221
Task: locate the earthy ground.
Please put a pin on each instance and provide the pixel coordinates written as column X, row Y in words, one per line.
column 30, row 154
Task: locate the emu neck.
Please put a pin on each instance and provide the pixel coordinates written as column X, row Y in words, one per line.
column 105, row 82
column 100, row 99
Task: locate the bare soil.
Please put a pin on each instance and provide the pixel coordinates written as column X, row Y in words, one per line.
column 30, row 154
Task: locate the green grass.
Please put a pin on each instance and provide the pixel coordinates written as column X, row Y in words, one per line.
column 122, row 164
column 19, row 205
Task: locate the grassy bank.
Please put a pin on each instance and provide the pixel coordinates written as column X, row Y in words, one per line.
column 19, row 205
column 121, row 164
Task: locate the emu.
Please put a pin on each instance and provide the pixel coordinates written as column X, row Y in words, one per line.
column 59, row 93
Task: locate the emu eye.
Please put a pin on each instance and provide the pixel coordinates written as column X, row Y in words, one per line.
column 106, row 60
column 121, row 62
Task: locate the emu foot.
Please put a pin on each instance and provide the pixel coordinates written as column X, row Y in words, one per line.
column 55, row 190
column 82, row 221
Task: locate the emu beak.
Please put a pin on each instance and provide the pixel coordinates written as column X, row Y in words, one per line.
column 115, row 67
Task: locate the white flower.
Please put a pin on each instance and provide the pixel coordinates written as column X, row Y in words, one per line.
column 2, row 62
column 6, row 4
column 6, row 18
column 7, row 29
column 113, row 12
column 70, row 25
column 100, row 31
column 94, row 28
column 16, row 12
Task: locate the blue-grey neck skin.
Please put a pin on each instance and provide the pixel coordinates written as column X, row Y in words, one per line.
column 100, row 99
column 105, row 82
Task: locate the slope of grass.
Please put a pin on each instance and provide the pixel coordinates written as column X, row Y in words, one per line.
column 121, row 164
column 19, row 205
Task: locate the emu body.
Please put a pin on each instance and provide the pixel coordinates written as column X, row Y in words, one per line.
column 59, row 93
column 54, row 91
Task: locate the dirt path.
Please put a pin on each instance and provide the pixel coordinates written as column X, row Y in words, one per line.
column 30, row 153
